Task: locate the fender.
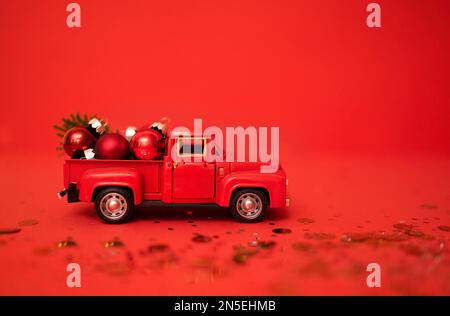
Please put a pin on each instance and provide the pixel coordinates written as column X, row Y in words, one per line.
column 274, row 184
column 105, row 177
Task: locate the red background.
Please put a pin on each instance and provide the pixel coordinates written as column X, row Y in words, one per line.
column 364, row 118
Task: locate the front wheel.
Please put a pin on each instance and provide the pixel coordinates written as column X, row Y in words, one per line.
column 249, row 205
column 114, row 205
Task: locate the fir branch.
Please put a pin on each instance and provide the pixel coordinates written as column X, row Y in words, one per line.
column 59, row 128
column 73, row 120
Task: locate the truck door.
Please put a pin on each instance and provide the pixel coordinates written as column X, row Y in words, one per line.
column 193, row 177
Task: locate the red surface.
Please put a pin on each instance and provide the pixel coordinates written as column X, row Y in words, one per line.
column 364, row 121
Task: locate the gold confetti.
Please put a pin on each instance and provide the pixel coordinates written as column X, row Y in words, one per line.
column 266, row 244
column 302, row 246
column 282, row 230
column 67, row 243
column 241, row 255
column 114, row 243
column 305, row 220
column 10, row 230
column 28, row 222
column 201, row 238
column 429, row 206
column 157, row 248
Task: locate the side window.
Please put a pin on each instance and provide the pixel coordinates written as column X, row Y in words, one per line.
column 191, row 146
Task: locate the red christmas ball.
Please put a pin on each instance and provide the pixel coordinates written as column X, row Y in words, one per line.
column 147, row 144
column 112, row 146
column 77, row 140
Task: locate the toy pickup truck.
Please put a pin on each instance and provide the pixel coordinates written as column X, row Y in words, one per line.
column 117, row 186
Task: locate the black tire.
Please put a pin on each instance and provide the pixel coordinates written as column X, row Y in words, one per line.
column 254, row 196
column 119, row 197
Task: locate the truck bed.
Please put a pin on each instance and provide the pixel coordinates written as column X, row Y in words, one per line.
column 151, row 170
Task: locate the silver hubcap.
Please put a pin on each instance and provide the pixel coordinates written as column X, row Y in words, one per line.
column 113, row 205
column 249, row 205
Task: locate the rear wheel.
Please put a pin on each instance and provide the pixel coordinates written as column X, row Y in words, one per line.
column 248, row 205
column 114, row 205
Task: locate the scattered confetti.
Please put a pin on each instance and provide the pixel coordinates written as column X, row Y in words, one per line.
column 114, row 243
column 409, row 230
column 302, row 246
column 282, row 230
column 28, row 222
column 11, row 230
column 305, row 220
column 201, row 238
column 157, row 248
column 429, row 206
column 421, row 251
column 241, row 254
column 403, row 226
column 115, row 268
column 266, row 244
column 394, row 237
column 69, row 242
column 357, row 237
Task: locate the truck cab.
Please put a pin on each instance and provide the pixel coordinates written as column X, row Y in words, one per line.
column 183, row 175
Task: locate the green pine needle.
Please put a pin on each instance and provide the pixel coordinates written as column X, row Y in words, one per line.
column 74, row 119
column 59, row 128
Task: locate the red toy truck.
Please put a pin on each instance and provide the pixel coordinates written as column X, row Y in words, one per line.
column 116, row 186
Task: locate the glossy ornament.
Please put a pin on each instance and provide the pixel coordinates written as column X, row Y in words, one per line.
column 112, row 146
column 77, row 140
column 147, row 144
